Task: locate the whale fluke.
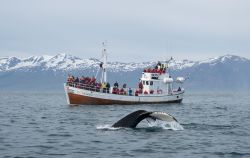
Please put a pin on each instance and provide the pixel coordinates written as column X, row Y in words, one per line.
column 163, row 116
column 134, row 118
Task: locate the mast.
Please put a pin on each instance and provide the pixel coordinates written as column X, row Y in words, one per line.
column 104, row 66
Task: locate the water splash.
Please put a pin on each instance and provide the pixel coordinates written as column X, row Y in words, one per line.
column 151, row 123
column 170, row 124
column 106, row 127
column 173, row 125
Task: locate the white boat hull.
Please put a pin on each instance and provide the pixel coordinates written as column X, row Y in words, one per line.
column 77, row 96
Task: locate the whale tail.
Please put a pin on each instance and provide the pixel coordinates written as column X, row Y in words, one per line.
column 163, row 116
column 134, row 118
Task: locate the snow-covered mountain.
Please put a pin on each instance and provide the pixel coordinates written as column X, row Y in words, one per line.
column 64, row 62
column 45, row 62
column 224, row 72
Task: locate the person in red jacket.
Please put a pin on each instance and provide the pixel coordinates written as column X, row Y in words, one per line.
column 140, row 85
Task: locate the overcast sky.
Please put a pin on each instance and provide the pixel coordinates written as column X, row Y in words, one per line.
column 135, row 30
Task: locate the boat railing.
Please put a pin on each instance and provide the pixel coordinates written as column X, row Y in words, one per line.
column 86, row 87
column 112, row 90
column 94, row 88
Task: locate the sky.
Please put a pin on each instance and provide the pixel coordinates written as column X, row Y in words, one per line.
column 134, row 30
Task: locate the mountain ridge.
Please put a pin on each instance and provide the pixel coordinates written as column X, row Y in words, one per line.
column 66, row 62
column 48, row 73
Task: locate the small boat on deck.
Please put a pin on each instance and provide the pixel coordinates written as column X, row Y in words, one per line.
column 155, row 86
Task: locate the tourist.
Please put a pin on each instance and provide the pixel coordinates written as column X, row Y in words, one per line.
column 116, row 85
column 121, row 92
column 76, row 80
column 140, row 85
column 179, row 89
column 108, row 87
column 130, row 92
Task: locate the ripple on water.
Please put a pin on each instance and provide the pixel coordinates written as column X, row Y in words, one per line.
column 233, row 154
column 202, row 126
column 59, row 135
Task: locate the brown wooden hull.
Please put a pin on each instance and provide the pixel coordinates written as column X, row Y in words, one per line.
column 77, row 99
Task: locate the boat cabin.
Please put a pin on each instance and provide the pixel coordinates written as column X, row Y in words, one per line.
column 156, row 81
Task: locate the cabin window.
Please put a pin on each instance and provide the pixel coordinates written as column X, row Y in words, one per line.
column 151, row 83
column 146, row 82
column 143, row 82
column 155, row 76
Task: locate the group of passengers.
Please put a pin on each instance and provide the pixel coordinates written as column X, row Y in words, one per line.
column 91, row 84
column 88, row 83
column 122, row 91
column 159, row 68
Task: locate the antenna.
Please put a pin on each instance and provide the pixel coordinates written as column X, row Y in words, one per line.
column 167, row 61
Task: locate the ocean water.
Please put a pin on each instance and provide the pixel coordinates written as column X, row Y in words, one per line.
column 43, row 125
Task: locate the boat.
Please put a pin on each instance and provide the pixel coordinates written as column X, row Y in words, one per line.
column 156, row 86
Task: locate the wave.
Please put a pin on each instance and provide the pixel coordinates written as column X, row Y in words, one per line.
column 232, row 153
column 210, row 126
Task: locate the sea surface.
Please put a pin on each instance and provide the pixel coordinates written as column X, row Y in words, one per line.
column 43, row 125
